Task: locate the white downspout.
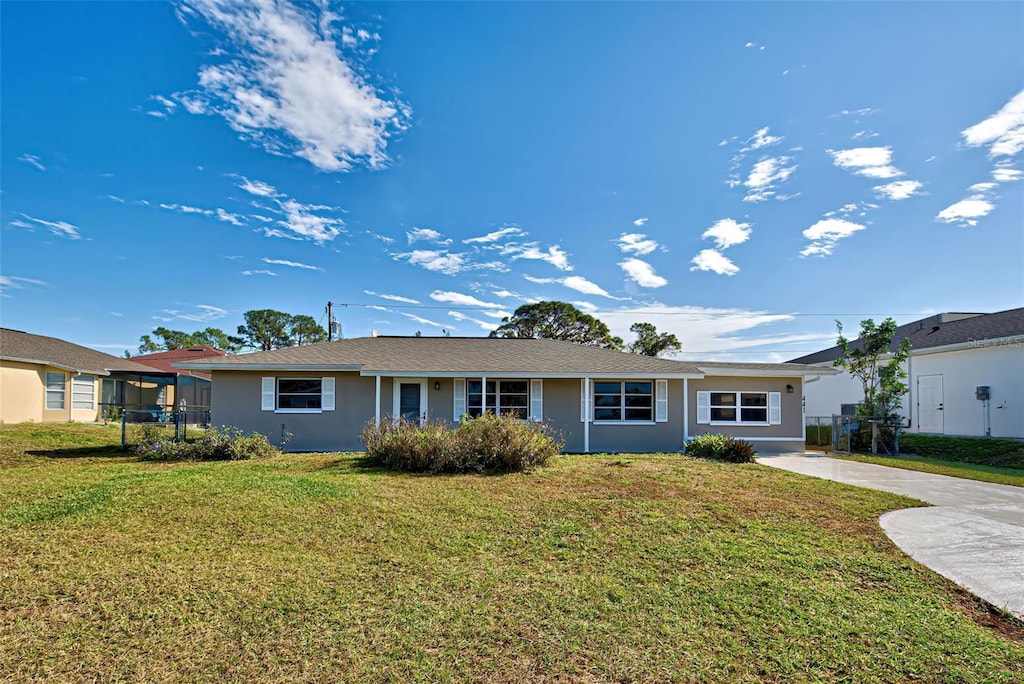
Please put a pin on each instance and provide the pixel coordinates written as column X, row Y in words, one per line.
column 686, row 411
column 586, row 415
column 376, row 402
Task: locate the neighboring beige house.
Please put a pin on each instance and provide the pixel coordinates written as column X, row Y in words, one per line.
column 598, row 400
column 45, row 380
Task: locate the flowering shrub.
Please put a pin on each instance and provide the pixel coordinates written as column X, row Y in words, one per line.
column 487, row 444
column 224, row 444
column 721, row 448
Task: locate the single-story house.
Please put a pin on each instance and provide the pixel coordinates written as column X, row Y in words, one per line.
column 598, row 400
column 45, row 379
column 965, row 375
column 191, row 386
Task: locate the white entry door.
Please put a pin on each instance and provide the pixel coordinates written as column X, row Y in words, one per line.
column 410, row 399
column 929, row 404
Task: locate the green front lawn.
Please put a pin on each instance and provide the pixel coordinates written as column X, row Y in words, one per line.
column 968, row 471
column 314, row 567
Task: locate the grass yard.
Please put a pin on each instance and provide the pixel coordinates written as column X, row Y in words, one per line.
column 316, row 568
column 968, row 471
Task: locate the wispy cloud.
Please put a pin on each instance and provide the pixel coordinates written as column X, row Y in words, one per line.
column 291, row 264
column 1003, row 132
column 636, row 243
column 728, row 232
column 259, row 271
column 295, row 219
column 765, row 176
column 640, row 221
column 761, row 138
column 423, row 321
column 873, row 162
column 204, row 313
column 460, row 299
column 553, row 255
column 494, row 236
column 714, row 261
column 1005, row 174
column 257, row 187
column 443, row 261
column 642, row 273
column 392, row 297
column 578, row 283
column 18, row 283
column 826, row 233
column 287, row 88
column 898, row 190
column 484, row 325
column 966, row 212
column 59, row 228
column 32, row 160
column 425, row 234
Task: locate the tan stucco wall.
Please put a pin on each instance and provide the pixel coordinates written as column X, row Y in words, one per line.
column 21, row 392
column 792, row 411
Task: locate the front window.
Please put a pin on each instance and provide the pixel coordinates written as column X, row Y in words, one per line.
column 299, row 393
column 55, row 390
column 739, row 407
column 83, row 392
column 503, row 397
column 623, row 401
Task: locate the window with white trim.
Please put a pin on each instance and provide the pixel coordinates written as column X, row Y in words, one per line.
column 503, row 397
column 628, row 400
column 83, row 392
column 740, row 408
column 55, row 391
column 299, row 393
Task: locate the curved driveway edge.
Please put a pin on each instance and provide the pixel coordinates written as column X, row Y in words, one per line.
column 974, row 533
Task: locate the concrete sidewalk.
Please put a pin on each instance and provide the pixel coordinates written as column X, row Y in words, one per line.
column 974, row 534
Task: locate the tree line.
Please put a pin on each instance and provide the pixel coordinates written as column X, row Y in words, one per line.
column 267, row 329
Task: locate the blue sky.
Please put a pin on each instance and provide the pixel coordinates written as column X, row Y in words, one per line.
column 739, row 174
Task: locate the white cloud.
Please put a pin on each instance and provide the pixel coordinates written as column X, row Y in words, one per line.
column 864, row 135
column 505, row 294
column 204, row 314
column 304, row 221
column 228, row 217
column 983, row 187
column 420, row 319
column 715, row 261
column 258, row 188
column 898, row 190
column 728, row 232
column 554, row 255
column 966, row 211
column 1005, row 174
column 636, row 243
column 391, row 297
column 115, row 198
column 760, row 139
column 17, row 283
column 578, row 283
column 460, row 299
column 435, row 260
column 1003, row 132
column 765, row 176
column 873, row 162
column 485, row 325
column 642, row 273
column 288, row 88
column 59, row 228
column 32, row 160
column 428, row 234
column 640, row 221
column 826, row 233
column 291, row 264
column 511, row 231
column 259, row 271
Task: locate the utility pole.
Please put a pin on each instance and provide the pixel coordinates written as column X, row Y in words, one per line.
column 330, row 321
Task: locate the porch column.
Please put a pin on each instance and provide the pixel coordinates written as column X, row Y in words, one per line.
column 686, row 411
column 483, row 396
column 376, row 401
column 586, row 415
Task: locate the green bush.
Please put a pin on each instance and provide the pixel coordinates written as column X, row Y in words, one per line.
column 1004, row 453
column 721, row 448
column 225, row 444
column 818, row 435
column 488, row 444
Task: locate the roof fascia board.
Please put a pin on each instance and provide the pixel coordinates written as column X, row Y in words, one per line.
column 711, row 371
column 993, row 343
column 266, row 366
column 54, row 364
column 550, row 375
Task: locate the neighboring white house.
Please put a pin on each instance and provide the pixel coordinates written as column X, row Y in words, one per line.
column 953, row 357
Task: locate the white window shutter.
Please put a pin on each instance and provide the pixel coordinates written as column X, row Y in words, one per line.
column 661, row 401
column 775, row 408
column 267, row 397
column 583, row 401
column 537, row 399
column 703, row 408
column 327, row 394
column 459, row 407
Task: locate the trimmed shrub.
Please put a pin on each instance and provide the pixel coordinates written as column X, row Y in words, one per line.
column 818, row 435
column 721, row 448
column 488, row 444
column 225, row 444
column 1003, row 453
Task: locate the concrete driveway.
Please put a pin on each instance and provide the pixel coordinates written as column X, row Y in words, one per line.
column 974, row 533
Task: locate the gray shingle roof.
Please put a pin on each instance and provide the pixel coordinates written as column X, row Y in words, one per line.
column 16, row 345
column 471, row 355
column 941, row 330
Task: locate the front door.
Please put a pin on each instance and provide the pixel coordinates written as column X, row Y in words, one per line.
column 410, row 400
column 929, row 404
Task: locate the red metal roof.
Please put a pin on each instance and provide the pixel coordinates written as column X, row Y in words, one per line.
column 163, row 360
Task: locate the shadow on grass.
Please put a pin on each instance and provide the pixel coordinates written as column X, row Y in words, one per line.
column 105, row 451
column 364, row 465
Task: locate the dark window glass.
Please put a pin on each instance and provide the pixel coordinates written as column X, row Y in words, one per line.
column 723, row 414
column 723, row 399
column 638, row 388
column 754, row 399
column 754, row 415
column 298, row 393
column 607, row 414
column 607, row 387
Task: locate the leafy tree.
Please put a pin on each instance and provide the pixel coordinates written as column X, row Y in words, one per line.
column 871, row 359
column 649, row 342
column 557, row 321
column 167, row 340
column 305, row 330
column 266, row 329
